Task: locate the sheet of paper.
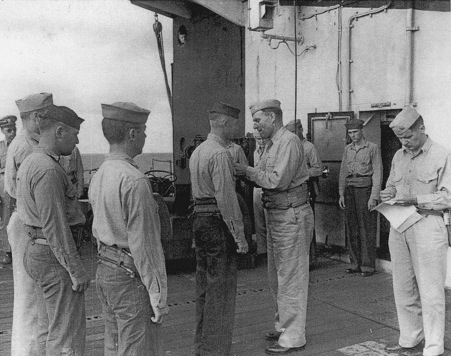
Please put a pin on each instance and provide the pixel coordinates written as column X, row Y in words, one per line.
column 400, row 217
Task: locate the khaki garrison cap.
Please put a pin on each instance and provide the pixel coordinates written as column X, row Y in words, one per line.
column 404, row 120
column 7, row 121
column 127, row 112
column 34, row 102
column 66, row 116
column 265, row 104
column 225, row 109
column 354, row 124
column 291, row 125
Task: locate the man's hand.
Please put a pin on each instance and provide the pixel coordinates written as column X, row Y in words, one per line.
column 372, row 203
column 387, row 194
column 240, row 169
column 242, row 247
column 406, row 200
column 159, row 314
column 80, row 284
column 341, row 202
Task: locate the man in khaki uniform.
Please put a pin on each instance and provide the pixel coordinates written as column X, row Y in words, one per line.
column 420, row 176
column 359, row 186
column 8, row 127
column 282, row 173
column 131, row 277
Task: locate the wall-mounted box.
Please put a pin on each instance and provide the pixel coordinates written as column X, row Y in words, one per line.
column 261, row 14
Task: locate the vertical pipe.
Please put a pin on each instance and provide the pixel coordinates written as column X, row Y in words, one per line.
column 339, row 64
column 295, row 67
column 409, row 54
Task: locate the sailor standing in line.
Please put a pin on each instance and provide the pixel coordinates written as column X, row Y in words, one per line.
column 8, row 127
column 131, row 276
column 24, row 336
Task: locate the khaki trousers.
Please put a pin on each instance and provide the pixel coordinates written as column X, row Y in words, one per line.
column 290, row 232
column 418, row 258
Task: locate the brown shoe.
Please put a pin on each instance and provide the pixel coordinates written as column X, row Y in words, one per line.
column 276, row 349
column 274, row 335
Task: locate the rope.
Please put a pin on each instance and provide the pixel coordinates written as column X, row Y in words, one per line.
column 158, row 29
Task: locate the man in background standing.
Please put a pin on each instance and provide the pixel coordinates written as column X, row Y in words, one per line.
column 359, row 186
column 8, row 127
column 218, row 233
column 314, row 166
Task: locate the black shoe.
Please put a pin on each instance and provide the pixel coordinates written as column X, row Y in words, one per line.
column 367, row 273
column 276, row 349
column 274, row 335
column 398, row 348
column 352, row 270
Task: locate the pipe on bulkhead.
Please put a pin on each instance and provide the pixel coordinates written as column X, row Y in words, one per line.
column 409, row 54
column 350, row 26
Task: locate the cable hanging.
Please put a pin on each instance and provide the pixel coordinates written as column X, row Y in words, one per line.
column 158, row 29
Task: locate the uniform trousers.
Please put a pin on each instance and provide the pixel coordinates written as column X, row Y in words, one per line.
column 26, row 337
column 62, row 308
column 418, row 258
column 216, row 279
column 289, row 236
column 127, row 312
column 361, row 228
column 260, row 222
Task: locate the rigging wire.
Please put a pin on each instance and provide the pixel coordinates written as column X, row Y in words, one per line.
column 158, row 29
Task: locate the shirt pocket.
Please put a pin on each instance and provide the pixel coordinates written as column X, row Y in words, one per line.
column 270, row 163
column 428, row 176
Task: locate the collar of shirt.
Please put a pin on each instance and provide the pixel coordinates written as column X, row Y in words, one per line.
column 278, row 135
column 427, row 145
column 358, row 147
column 121, row 157
column 217, row 139
column 47, row 151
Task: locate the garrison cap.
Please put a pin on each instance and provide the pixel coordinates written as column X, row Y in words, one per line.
column 6, row 121
column 66, row 116
column 265, row 104
column 34, row 102
column 124, row 111
column 290, row 126
column 354, row 124
column 404, row 120
column 225, row 109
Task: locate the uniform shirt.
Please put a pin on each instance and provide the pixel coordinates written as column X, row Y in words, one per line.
column 426, row 176
column 43, row 197
column 3, row 151
column 212, row 177
column 364, row 160
column 18, row 150
column 73, row 166
column 282, row 165
column 126, row 215
column 314, row 164
column 237, row 152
